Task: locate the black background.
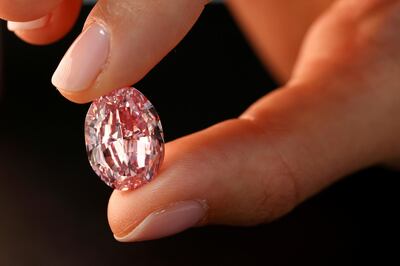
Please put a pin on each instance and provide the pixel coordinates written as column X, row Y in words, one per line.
column 53, row 207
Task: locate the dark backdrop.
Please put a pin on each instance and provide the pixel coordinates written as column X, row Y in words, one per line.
column 53, row 207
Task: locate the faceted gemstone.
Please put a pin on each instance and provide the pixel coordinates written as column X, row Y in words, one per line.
column 124, row 139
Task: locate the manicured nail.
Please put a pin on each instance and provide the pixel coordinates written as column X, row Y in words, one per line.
column 28, row 25
column 83, row 61
column 175, row 219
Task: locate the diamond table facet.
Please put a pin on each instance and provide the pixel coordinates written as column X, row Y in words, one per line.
column 124, row 139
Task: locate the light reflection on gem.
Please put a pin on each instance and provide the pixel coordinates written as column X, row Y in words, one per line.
column 124, row 139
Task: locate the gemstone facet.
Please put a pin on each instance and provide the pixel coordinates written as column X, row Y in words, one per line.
column 124, row 139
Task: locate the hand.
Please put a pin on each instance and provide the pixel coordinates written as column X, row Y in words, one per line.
column 337, row 114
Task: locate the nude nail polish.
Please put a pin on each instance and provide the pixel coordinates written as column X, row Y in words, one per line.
column 176, row 218
column 28, row 25
column 83, row 61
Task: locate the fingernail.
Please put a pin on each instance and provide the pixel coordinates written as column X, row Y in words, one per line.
column 83, row 61
column 175, row 219
column 28, row 25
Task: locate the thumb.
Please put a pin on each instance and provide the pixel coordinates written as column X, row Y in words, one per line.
column 252, row 169
column 121, row 41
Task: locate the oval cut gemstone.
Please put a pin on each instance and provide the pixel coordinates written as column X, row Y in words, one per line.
column 124, row 139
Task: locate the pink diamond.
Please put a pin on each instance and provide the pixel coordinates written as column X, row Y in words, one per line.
column 124, row 139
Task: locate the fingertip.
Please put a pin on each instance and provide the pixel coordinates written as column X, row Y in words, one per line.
column 28, row 25
column 26, row 10
column 116, row 219
column 97, row 61
column 50, row 27
column 170, row 204
column 126, row 209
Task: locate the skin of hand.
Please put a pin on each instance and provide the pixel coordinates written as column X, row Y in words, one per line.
column 276, row 29
column 335, row 115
